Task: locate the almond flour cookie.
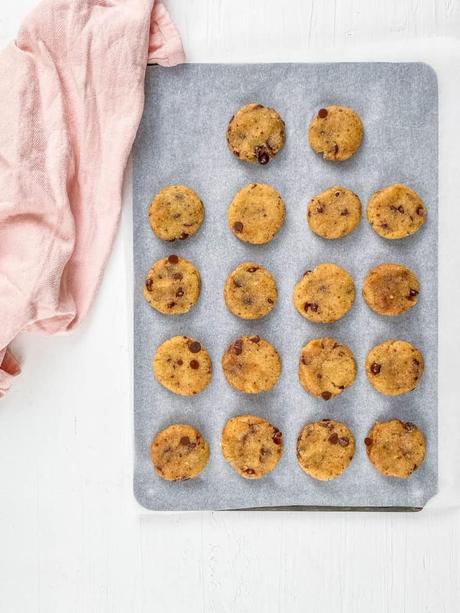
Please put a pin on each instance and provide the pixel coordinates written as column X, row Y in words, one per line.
column 251, row 365
column 182, row 365
column 391, row 289
column 334, row 213
column 326, row 368
column 256, row 213
column 325, row 294
column 250, row 291
column 256, row 133
column 176, row 212
column 396, row 211
column 394, row 367
column 336, row 132
column 395, row 448
column 172, row 285
column 179, row 453
column 251, row 445
column 325, row 448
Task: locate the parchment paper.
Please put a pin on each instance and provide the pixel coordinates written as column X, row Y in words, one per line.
column 182, row 140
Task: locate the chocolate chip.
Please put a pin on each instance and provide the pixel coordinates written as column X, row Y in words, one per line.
column 149, row 284
column 170, row 305
column 409, row 426
column 336, row 148
column 412, row 293
column 277, row 436
column 401, row 209
column 253, row 269
column 184, row 440
column 262, row 155
column 307, row 272
column 236, row 283
column 183, row 236
column 345, row 212
column 375, row 368
column 255, row 339
column 320, row 209
column 337, row 194
column 384, row 226
column 322, row 113
column 179, row 362
column 177, row 276
column 250, row 471
column 238, row 347
column 194, row 364
column 194, row 347
column 179, row 293
column 270, row 301
column 326, row 395
column 368, row 441
column 343, row 441
column 173, row 259
column 312, row 306
column 420, row 211
column 238, row 226
column 334, row 438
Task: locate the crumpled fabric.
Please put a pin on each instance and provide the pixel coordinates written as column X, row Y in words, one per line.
column 71, row 98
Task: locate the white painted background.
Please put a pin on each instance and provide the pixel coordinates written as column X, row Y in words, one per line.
column 70, row 540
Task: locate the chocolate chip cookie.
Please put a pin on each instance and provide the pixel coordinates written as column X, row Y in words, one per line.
column 251, row 365
column 325, row 448
column 182, row 365
column 336, row 132
column 176, row 212
column 256, row 213
column 251, row 445
column 391, row 289
column 326, row 368
column 396, row 211
column 179, row 452
column 395, row 448
column 250, row 291
column 172, row 286
column 334, row 212
column 325, row 294
column 394, row 367
column 256, row 133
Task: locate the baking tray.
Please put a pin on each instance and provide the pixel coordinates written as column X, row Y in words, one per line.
column 182, row 140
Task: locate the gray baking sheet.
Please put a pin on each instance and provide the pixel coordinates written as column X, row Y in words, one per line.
column 181, row 139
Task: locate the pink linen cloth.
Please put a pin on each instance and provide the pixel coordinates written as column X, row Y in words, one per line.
column 71, row 98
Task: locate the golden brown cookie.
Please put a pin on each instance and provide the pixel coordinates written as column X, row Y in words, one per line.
column 325, row 448
column 256, row 213
column 326, row 368
column 395, row 448
column 394, row 367
column 172, row 285
column 250, row 291
column 182, row 365
column 179, row 452
column 336, row 132
column 391, row 289
column 334, row 213
column 396, row 211
column 256, row 133
column 325, row 294
column 251, row 365
column 176, row 212
column 251, row 445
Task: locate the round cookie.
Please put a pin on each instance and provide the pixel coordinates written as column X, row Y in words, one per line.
column 256, row 133
column 391, row 289
column 325, row 294
column 251, row 445
column 326, row 368
column 395, row 448
column 250, row 291
column 182, row 365
column 176, row 212
column 256, row 213
column 325, row 448
column 179, row 453
column 396, row 211
column 251, row 365
column 334, row 213
column 172, row 286
column 336, row 132
column 394, row 367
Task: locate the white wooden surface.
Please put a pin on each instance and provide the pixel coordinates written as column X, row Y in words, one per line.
column 69, row 537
